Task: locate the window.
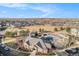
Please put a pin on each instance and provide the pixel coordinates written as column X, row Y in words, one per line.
column 39, row 44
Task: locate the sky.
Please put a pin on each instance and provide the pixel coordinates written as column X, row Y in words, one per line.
column 39, row 10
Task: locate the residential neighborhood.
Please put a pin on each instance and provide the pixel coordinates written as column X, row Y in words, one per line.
column 29, row 37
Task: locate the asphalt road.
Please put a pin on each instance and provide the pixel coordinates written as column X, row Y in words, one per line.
column 7, row 51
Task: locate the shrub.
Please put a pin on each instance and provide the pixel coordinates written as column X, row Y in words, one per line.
column 55, row 29
column 24, row 33
column 61, row 28
column 10, row 34
column 68, row 30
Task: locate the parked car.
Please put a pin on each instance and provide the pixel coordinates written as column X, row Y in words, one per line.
column 72, row 51
column 4, row 50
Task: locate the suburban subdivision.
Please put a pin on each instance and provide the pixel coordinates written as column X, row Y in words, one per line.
column 39, row 37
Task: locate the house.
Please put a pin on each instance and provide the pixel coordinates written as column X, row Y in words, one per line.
column 60, row 40
column 2, row 36
column 36, row 43
column 75, row 32
column 46, row 43
column 2, row 24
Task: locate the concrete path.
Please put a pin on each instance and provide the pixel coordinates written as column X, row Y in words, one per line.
column 33, row 53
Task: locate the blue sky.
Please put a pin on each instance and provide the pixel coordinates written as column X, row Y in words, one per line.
column 39, row 10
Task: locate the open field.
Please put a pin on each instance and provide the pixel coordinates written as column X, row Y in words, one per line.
column 36, row 28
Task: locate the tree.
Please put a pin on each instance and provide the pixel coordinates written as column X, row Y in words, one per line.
column 61, row 28
column 27, row 31
column 24, row 33
column 55, row 29
column 71, row 40
column 10, row 34
column 41, row 30
column 3, row 28
column 14, row 34
column 68, row 30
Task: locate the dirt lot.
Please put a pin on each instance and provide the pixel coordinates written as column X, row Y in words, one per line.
column 35, row 28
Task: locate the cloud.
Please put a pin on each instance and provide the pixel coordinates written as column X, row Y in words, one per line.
column 45, row 15
column 46, row 11
column 14, row 5
column 42, row 9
